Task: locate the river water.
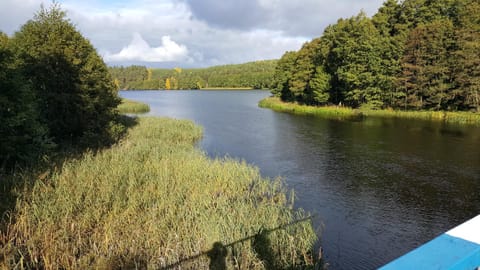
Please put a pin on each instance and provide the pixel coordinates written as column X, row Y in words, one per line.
column 378, row 187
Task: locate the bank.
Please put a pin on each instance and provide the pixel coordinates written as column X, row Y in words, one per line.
column 341, row 112
column 154, row 200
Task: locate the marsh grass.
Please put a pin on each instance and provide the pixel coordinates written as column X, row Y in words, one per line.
column 469, row 118
column 344, row 112
column 337, row 112
column 153, row 201
column 130, row 106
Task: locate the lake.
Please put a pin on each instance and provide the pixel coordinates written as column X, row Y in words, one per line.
column 378, row 187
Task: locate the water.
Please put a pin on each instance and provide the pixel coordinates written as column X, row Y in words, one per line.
column 379, row 187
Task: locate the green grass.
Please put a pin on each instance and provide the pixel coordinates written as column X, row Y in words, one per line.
column 130, row 106
column 152, row 201
column 344, row 112
column 449, row 117
column 328, row 111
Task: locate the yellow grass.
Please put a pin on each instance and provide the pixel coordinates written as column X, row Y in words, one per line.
column 154, row 201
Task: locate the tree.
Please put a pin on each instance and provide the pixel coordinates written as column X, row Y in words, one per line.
column 22, row 136
column 77, row 97
column 320, row 86
column 355, row 61
column 283, row 75
column 168, row 85
column 426, row 75
column 467, row 54
column 303, row 71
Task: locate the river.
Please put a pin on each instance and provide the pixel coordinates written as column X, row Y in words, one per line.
column 378, row 187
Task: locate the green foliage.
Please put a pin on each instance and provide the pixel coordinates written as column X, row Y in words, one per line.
column 253, row 75
column 283, row 75
column 22, row 137
column 320, row 86
column 413, row 54
column 426, row 74
column 150, row 202
column 467, row 69
column 76, row 96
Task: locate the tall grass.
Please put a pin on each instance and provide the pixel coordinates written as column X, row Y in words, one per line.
column 130, row 106
column 345, row 112
column 449, row 117
column 155, row 201
column 276, row 104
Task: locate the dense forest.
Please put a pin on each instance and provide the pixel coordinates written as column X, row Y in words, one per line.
column 412, row 55
column 55, row 90
column 256, row 75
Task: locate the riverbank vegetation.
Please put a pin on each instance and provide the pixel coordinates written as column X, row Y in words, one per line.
column 83, row 187
column 414, row 55
column 340, row 112
column 253, row 75
column 154, row 200
column 335, row 112
column 128, row 106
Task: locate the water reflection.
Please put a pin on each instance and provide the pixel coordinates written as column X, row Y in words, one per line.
column 379, row 186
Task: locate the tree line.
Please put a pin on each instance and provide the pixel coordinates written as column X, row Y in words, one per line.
column 256, row 75
column 412, row 55
column 55, row 90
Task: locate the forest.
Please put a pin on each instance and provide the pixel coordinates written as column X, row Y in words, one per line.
column 411, row 55
column 255, row 75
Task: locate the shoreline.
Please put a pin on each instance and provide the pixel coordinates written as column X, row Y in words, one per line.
column 152, row 191
column 274, row 103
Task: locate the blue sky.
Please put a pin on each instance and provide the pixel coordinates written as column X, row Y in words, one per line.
column 193, row 33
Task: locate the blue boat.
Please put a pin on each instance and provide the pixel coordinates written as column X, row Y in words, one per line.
column 457, row 249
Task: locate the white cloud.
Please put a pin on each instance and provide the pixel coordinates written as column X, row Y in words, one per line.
column 201, row 32
column 140, row 50
column 14, row 13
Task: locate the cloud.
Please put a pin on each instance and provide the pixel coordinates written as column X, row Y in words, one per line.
column 140, row 50
column 306, row 18
column 245, row 14
column 200, row 32
column 14, row 13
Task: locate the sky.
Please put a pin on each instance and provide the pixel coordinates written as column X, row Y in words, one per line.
column 192, row 33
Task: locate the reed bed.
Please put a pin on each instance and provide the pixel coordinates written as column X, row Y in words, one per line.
column 338, row 112
column 154, row 201
column 344, row 112
column 132, row 107
column 468, row 118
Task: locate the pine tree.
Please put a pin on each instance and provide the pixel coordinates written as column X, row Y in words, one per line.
column 77, row 97
column 467, row 54
column 283, row 75
column 426, row 77
column 22, row 136
column 320, row 86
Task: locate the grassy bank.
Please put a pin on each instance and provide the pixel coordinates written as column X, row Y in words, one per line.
column 130, row 106
column 154, row 201
column 344, row 112
column 330, row 112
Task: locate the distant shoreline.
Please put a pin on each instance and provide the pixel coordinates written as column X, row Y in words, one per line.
column 201, row 89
